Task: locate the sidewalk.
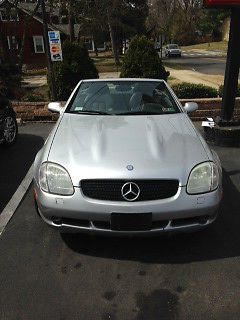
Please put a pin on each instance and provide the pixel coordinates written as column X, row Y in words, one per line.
column 34, row 81
column 196, row 77
column 108, row 75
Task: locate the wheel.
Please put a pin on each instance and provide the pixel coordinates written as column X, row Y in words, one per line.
column 10, row 130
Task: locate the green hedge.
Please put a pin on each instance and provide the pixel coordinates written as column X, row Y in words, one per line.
column 220, row 91
column 142, row 61
column 187, row 90
column 76, row 66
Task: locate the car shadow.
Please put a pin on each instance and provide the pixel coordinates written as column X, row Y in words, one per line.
column 15, row 162
column 221, row 240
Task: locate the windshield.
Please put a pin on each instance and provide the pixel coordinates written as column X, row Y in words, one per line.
column 123, row 98
column 173, row 46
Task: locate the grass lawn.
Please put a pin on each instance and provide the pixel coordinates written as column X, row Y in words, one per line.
column 35, row 94
column 211, row 46
column 104, row 62
column 176, row 66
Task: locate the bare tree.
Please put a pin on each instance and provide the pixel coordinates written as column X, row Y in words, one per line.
column 177, row 19
column 161, row 16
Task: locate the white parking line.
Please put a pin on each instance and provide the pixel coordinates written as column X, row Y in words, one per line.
column 12, row 205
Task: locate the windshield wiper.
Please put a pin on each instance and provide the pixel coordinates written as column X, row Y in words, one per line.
column 91, row 112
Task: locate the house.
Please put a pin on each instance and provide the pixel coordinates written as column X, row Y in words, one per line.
column 12, row 21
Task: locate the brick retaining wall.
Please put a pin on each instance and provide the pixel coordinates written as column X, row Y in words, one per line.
column 37, row 111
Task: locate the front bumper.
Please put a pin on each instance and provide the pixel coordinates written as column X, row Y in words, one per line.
column 174, row 53
column 77, row 213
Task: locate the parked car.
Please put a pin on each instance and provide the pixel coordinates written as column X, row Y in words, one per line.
column 157, row 46
column 8, row 123
column 125, row 158
column 173, row 50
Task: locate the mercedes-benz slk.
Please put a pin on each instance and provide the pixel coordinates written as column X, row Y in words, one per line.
column 124, row 158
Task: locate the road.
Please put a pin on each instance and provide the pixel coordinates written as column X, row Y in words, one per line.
column 202, row 64
column 48, row 275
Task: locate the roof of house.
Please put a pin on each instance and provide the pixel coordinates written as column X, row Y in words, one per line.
column 65, row 29
column 27, row 12
column 28, row 8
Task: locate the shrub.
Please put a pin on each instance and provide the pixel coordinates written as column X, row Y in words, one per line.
column 142, row 61
column 220, row 91
column 10, row 79
column 4, row 102
column 33, row 98
column 187, row 90
column 76, row 65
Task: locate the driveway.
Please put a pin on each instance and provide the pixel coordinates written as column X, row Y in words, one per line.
column 48, row 275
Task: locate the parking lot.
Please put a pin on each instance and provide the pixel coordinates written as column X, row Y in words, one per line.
column 48, row 275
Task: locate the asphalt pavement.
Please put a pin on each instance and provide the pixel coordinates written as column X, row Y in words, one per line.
column 48, row 275
column 206, row 65
column 16, row 160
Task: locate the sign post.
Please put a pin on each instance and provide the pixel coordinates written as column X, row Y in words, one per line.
column 46, row 42
column 55, row 46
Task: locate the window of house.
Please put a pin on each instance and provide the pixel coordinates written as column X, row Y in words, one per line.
column 13, row 43
column 13, row 15
column 38, row 44
column 3, row 14
column 9, row 15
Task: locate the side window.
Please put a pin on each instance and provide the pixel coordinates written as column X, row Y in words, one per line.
column 38, row 44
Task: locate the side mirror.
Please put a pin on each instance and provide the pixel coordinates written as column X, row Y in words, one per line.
column 55, row 107
column 190, row 107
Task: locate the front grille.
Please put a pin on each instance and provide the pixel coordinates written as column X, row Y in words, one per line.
column 111, row 190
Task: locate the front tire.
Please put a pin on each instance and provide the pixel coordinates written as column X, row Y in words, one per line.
column 10, row 130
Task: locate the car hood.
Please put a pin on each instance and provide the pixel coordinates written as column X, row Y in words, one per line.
column 158, row 147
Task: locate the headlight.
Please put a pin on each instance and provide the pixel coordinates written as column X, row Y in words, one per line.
column 54, row 179
column 203, row 178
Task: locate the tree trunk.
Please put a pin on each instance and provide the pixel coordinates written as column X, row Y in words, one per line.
column 113, row 41
column 4, row 49
column 25, row 29
column 21, row 54
column 71, row 21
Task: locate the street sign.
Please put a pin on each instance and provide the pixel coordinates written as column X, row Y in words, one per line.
column 55, row 46
column 221, row 3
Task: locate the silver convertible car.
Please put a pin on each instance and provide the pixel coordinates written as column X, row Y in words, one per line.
column 124, row 158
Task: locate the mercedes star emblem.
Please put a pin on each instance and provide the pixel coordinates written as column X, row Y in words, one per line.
column 130, row 191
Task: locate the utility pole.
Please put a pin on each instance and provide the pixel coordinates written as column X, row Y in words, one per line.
column 47, row 49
